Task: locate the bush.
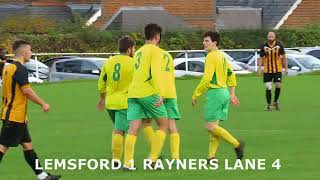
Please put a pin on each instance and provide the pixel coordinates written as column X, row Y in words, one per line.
column 75, row 37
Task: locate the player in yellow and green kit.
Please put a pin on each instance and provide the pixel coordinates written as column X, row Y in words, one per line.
column 169, row 94
column 145, row 101
column 115, row 78
column 218, row 76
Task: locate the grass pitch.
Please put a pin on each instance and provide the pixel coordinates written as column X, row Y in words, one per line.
column 75, row 129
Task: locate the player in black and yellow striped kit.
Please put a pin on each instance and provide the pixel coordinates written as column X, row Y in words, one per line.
column 272, row 57
column 16, row 91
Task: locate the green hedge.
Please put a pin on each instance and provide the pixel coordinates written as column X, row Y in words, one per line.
column 72, row 37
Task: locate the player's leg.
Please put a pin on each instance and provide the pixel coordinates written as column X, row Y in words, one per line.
column 130, row 142
column 3, row 150
column 121, row 126
column 159, row 138
column 135, row 114
column 160, row 115
column 148, row 130
column 174, row 139
column 31, row 156
column 267, row 79
column 216, row 110
column 277, row 81
column 214, row 141
column 173, row 116
column 3, row 146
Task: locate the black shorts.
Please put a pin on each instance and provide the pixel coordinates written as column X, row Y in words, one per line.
column 13, row 133
column 272, row 77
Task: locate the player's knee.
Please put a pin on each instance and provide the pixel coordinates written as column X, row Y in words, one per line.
column 3, row 148
column 147, row 123
column 173, row 129
column 278, row 85
column 27, row 146
column 269, row 85
column 117, row 131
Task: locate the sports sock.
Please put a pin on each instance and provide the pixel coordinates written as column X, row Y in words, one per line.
column 268, row 96
column 148, row 133
column 213, row 146
column 31, row 157
column 277, row 94
column 175, row 145
column 117, row 146
column 225, row 135
column 129, row 145
column 157, row 144
column 1, row 156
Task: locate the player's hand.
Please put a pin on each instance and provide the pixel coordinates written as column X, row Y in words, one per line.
column 159, row 102
column 101, row 105
column 194, row 102
column 46, row 107
column 259, row 72
column 234, row 100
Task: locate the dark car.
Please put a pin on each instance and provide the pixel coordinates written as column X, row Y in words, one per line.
column 50, row 61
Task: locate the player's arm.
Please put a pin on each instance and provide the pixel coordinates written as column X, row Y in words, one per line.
column 260, row 60
column 284, row 59
column 156, row 74
column 32, row 95
column 102, row 84
column 232, row 83
column 205, row 80
column 21, row 76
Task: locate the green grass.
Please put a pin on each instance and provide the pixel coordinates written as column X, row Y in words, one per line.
column 75, row 129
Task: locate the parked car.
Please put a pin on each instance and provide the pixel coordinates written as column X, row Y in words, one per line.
column 313, row 51
column 241, row 56
column 195, row 67
column 76, row 68
column 50, row 61
column 43, row 69
column 193, row 54
column 297, row 64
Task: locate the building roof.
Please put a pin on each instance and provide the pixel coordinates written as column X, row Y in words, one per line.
column 133, row 18
column 272, row 10
column 57, row 13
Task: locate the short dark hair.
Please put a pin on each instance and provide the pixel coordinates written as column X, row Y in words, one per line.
column 151, row 30
column 125, row 43
column 17, row 44
column 214, row 36
column 3, row 54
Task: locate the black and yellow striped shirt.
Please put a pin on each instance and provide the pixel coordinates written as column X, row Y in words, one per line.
column 14, row 102
column 272, row 54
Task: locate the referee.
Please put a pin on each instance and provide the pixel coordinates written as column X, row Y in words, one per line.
column 272, row 57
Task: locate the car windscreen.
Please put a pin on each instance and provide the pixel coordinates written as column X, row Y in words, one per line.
column 309, row 62
column 100, row 63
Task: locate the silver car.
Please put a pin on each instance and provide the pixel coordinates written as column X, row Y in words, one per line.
column 297, row 64
column 76, row 68
column 43, row 70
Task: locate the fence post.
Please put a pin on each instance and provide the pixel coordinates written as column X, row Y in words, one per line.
column 256, row 61
column 37, row 66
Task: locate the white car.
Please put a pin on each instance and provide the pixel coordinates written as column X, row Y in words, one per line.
column 297, row 64
column 43, row 70
column 313, row 51
column 195, row 66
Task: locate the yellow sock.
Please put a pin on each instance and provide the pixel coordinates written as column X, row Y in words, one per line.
column 175, row 145
column 148, row 133
column 129, row 145
column 213, row 146
column 225, row 135
column 117, row 146
column 157, row 144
